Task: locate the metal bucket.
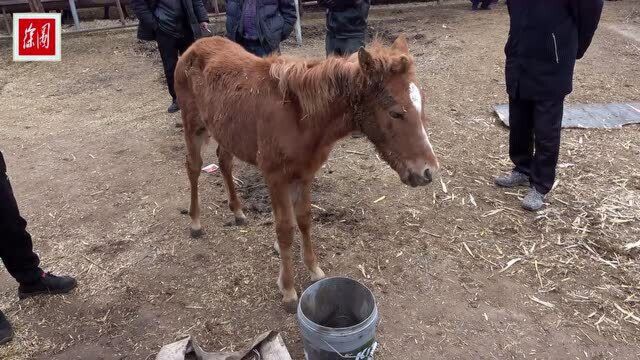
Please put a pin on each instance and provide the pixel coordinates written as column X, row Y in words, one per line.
column 338, row 318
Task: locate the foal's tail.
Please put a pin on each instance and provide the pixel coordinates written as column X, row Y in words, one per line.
column 189, row 79
column 185, row 69
column 191, row 65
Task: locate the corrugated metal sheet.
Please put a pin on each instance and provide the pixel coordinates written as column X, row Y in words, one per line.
column 603, row 116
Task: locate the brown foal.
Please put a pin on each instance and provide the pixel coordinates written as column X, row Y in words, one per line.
column 284, row 114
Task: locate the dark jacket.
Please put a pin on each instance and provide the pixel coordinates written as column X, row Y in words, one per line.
column 149, row 24
column 3, row 166
column 346, row 18
column 545, row 39
column 276, row 19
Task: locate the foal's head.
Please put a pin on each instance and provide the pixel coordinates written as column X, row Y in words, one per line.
column 390, row 112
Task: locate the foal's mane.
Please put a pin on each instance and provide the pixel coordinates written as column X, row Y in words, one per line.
column 317, row 83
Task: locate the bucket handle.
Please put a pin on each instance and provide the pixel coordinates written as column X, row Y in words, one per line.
column 337, row 352
column 346, row 356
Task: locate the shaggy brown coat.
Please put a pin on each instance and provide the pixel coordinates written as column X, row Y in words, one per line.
column 284, row 114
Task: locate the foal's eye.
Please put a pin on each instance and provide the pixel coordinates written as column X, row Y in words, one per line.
column 396, row 114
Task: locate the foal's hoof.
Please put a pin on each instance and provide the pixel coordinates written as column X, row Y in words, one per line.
column 196, row 233
column 317, row 275
column 291, row 306
column 241, row 221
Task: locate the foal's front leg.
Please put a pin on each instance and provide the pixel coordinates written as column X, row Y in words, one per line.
column 284, row 218
column 302, row 204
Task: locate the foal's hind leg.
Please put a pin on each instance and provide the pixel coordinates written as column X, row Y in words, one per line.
column 195, row 137
column 301, row 196
column 226, row 167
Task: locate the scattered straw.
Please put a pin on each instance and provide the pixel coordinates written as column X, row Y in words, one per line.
column 510, row 264
column 629, row 314
column 444, row 186
column 634, row 245
column 380, row 199
column 538, row 272
column 492, row 212
column 541, row 302
column 318, row 207
column 472, row 200
column 362, row 270
column 468, row 250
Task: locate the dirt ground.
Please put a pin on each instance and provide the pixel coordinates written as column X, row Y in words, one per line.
column 458, row 270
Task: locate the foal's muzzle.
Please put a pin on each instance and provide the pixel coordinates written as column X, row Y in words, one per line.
column 415, row 179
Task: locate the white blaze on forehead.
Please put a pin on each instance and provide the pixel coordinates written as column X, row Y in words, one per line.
column 416, row 98
column 425, row 138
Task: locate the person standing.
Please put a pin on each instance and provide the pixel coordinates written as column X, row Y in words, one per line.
column 260, row 25
column 346, row 29
column 545, row 39
column 174, row 25
column 16, row 251
column 346, row 25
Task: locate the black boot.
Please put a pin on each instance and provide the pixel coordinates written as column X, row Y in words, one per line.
column 47, row 284
column 6, row 331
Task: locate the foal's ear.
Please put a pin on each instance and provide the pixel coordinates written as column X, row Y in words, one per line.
column 401, row 45
column 400, row 65
column 367, row 64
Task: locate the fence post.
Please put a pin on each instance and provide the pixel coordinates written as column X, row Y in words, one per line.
column 7, row 19
column 120, row 12
column 74, row 13
column 298, row 26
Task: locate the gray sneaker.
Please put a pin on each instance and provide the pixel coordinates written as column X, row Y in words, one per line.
column 512, row 180
column 533, row 201
column 174, row 107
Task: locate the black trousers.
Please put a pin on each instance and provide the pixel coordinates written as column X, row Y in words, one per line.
column 534, row 139
column 484, row 4
column 16, row 249
column 256, row 47
column 170, row 48
column 342, row 46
